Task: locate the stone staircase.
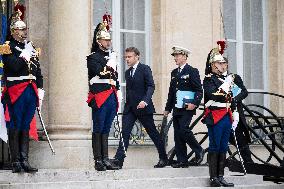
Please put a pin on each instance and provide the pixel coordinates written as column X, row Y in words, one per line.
column 193, row 177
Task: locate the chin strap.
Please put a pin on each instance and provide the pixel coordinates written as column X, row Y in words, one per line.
column 102, row 47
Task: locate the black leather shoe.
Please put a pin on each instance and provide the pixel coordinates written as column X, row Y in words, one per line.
column 110, row 165
column 116, row 162
column 162, row 163
column 225, row 183
column 214, row 182
column 27, row 167
column 180, row 165
column 197, row 159
column 16, row 167
column 99, row 165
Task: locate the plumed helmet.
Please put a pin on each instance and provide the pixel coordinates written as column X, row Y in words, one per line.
column 215, row 55
column 16, row 22
column 103, row 32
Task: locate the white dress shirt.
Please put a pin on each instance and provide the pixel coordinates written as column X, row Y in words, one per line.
column 134, row 69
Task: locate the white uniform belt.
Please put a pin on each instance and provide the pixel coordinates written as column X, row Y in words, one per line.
column 96, row 79
column 21, row 78
column 217, row 104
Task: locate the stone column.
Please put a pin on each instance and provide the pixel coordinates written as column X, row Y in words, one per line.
column 69, row 116
column 275, row 49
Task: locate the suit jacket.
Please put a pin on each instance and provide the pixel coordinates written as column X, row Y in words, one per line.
column 187, row 80
column 139, row 88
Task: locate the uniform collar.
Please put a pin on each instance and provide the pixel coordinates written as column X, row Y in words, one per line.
column 181, row 67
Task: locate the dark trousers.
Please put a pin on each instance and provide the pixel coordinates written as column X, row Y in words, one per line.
column 182, row 136
column 147, row 121
column 103, row 116
column 23, row 110
column 219, row 135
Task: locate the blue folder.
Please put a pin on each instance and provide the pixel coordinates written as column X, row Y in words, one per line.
column 184, row 97
column 236, row 90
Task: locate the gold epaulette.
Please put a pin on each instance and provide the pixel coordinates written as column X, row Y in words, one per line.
column 1, row 64
column 5, row 48
column 38, row 52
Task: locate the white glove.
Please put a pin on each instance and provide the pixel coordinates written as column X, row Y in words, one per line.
column 236, row 118
column 119, row 96
column 234, row 125
column 40, row 96
column 112, row 61
column 228, row 83
column 26, row 55
column 229, row 79
column 28, row 51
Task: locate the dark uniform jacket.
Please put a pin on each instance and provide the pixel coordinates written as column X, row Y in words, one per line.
column 187, row 80
column 211, row 84
column 213, row 114
column 139, row 88
column 15, row 66
column 96, row 63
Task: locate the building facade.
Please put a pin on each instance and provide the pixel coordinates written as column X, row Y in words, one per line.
column 63, row 30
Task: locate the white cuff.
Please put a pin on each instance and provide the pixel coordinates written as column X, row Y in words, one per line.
column 40, row 93
column 144, row 103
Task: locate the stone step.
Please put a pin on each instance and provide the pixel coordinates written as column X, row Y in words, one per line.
column 125, row 178
column 51, row 175
column 149, row 183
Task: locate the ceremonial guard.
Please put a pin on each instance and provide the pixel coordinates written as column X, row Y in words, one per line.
column 103, row 85
column 218, row 114
column 184, row 96
column 23, row 92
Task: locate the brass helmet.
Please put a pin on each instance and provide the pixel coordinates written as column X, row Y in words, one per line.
column 215, row 56
column 103, row 32
column 16, row 22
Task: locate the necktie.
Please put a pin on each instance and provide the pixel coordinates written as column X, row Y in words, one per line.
column 179, row 70
column 131, row 71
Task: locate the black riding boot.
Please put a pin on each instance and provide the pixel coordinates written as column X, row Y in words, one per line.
column 221, row 166
column 97, row 151
column 24, row 152
column 213, row 169
column 13, row 136
column 109, row 164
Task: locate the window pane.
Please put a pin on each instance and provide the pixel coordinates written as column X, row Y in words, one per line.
column 229, row 16
column 255, row 99
column 132, row 40
column 253, row 66
column 132, row 14
column 252, row 20
column 100, row 8
column 230, row 53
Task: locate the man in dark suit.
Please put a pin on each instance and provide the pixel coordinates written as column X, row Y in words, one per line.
column 139, row 90
column 184, row 78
